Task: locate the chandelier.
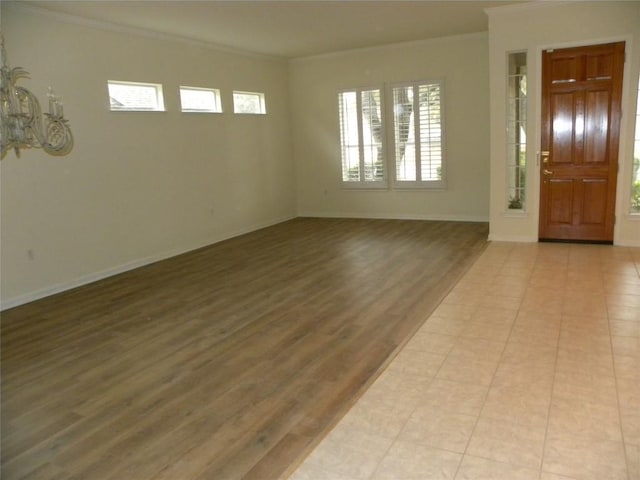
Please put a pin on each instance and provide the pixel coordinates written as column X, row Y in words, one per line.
column 22, row 125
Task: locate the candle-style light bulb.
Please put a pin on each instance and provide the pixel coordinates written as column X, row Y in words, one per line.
column 2, row 52
column 52, row 100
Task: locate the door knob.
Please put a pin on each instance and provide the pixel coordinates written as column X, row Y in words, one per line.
column 547, row 172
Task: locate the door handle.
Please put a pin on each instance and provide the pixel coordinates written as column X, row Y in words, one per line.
column 547, row 172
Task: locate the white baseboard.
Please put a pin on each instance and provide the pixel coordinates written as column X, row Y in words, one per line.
column 513, row 238
column 141, row 262
column 383, row 216
column 528, row 239
column 627, row 243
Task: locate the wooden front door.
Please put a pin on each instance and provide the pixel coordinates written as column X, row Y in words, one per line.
column 581, row 95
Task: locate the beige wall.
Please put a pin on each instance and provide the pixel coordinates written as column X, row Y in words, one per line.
column 533, row 28
column 314, row 82
column 137, row 187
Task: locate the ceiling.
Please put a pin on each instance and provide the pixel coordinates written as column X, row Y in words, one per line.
column 288, row 28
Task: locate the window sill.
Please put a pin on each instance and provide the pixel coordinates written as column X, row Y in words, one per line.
column 408, row 186
column 355, row 186
column 201, row 111
column 515, row 214
column 130, row 110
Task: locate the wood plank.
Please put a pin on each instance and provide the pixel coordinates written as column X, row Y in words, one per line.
column 231, row 361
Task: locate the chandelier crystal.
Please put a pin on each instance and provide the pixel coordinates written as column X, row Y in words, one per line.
column 22, row 124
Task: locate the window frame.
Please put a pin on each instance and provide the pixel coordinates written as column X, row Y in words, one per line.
column 363, row 183
column 261, row 99
column 438, row 184
column 217, row 99
column 159, row 94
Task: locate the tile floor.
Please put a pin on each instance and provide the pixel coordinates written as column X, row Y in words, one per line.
column 529, row 369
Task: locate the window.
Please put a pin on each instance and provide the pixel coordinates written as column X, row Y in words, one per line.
column 418, row 134
column 516, row 131
column 249, row 102
column 205, row 100
column 361, row 137
column 635, row 178
column 133, row 96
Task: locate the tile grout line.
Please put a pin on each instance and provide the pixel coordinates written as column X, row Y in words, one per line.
column 500, row 260
column 555, row 370
column 395, row 439
column 615, row 379
column 475, row 426
column 382, row 370
column 457, row 336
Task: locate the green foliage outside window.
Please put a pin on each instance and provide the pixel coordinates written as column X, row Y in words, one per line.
column 635, row 187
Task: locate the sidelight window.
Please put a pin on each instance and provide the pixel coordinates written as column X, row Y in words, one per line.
column 517, row 131
column 635, row 180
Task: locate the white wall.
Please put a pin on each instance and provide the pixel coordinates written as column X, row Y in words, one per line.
column 314, row 82
column 137, row 187
column 533, row 28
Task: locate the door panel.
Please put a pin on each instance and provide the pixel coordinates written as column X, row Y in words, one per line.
column 564, row 69
column 596, row 127
column 563, row 127
column 581, row 94
column 593, row 211
column 561, row 201
column 599, row 67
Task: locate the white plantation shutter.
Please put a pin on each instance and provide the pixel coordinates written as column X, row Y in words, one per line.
column 430, row 133
column 349, row 136
column 361, row 137
column 371, row 120
column 417, row 112
column 404, row 133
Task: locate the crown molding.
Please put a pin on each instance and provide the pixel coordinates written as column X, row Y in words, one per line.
column 114, row 27
column 392, row 46
column 534, row 5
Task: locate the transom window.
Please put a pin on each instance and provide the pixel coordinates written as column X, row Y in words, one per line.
column 206, row 100
column 249, row 102
column 135, row 96
column 362, row 137
column 418, row 134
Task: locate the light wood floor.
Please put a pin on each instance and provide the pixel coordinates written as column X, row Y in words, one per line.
column 228, row 362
